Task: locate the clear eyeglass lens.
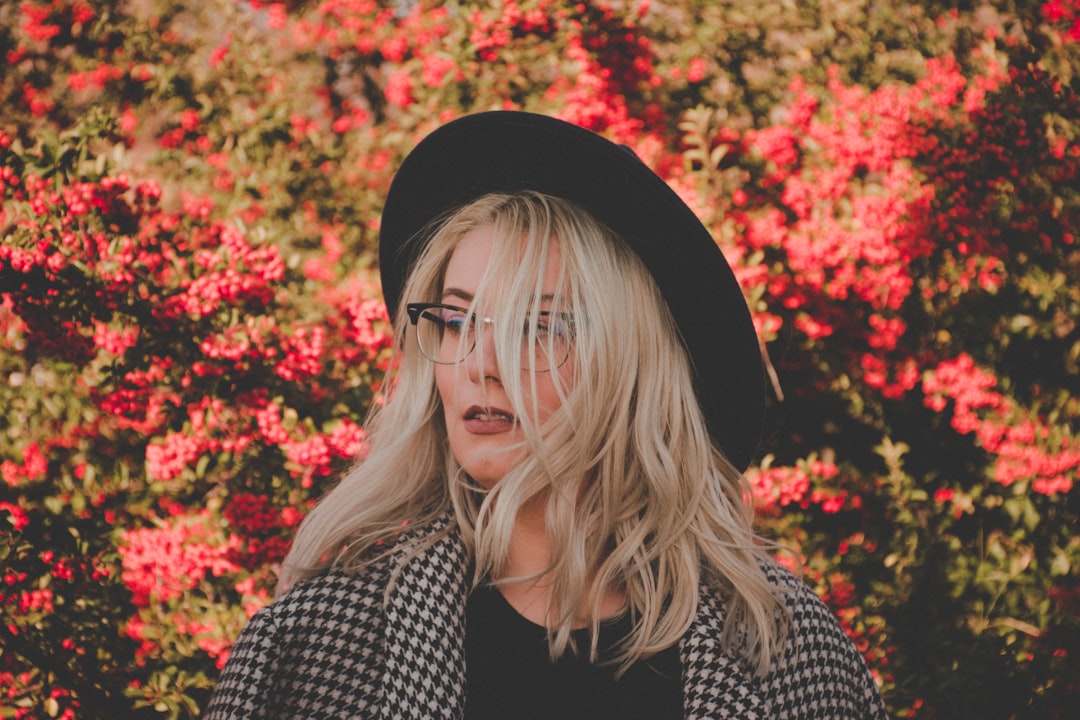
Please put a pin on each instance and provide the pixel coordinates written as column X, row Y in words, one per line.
column 447, row 335
column 443, row 334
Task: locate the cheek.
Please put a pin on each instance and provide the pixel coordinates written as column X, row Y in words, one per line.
column 548, row 392
column 444, row 384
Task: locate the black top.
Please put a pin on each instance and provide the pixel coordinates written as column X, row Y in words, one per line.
column 509, row 672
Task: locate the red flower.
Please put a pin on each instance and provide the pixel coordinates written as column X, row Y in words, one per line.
column 696, row 71
column 399, row 89
column 19, row 519
column 177, row 453
column 436, row 69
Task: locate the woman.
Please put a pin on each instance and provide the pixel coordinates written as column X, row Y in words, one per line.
column 551, row 520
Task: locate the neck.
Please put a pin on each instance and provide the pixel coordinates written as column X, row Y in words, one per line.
column 530, row 555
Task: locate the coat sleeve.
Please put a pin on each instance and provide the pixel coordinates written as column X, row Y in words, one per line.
column 247, row 682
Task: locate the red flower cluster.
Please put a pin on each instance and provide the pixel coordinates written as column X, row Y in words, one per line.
column 165, row 563
column 1064, row 14
column 43, row 22
column 33, row 467
column 809, row 482
column 260, row 529
column 228, row 272
column 1026, row 448
column 779, row 486
column 855, row 200
column 489, row 35
column 162, row 563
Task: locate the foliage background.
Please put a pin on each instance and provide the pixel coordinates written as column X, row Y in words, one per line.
column 191, row 330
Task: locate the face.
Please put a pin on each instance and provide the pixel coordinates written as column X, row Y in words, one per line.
column 483, row 432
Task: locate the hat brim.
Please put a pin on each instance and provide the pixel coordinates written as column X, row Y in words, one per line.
column 506, row 152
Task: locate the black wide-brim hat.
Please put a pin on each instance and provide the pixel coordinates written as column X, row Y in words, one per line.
column 506, row 152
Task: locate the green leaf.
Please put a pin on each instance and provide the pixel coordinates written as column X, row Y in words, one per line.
column 1060, row 565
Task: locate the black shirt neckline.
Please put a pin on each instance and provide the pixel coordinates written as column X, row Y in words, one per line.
column 510, row 674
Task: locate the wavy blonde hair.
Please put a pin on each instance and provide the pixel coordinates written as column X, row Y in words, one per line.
column 638, row 497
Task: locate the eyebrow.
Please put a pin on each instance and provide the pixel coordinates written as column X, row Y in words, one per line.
column 451, row 292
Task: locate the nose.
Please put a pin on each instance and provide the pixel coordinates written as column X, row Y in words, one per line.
column 480, row 364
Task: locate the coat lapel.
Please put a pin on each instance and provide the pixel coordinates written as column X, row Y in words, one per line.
column 424, row 676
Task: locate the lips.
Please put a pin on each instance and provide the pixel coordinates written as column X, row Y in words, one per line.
column 487, row 420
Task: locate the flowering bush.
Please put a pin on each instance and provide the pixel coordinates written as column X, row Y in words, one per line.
column 191, row 332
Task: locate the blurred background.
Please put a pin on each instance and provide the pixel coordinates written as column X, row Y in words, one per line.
column 192, row 332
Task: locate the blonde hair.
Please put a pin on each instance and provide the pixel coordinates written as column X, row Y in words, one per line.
column 638, row 496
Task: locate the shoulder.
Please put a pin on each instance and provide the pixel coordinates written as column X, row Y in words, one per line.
column 333, row 609
column 338, row 595
column 314, row 647
column 331, row 597
column 820, row 667
column 809, row 614
column 322, row 605
column 338, row 607
column 819, row 672
column 321, row 648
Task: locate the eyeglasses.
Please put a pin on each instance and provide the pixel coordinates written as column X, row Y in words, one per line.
column 447, row 334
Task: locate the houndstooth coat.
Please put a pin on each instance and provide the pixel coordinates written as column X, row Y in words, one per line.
column 328, row 649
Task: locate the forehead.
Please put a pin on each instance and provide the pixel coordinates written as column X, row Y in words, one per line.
column 470, row 260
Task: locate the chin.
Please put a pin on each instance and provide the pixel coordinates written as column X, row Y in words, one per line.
column 485, row 459
column 486, row 474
